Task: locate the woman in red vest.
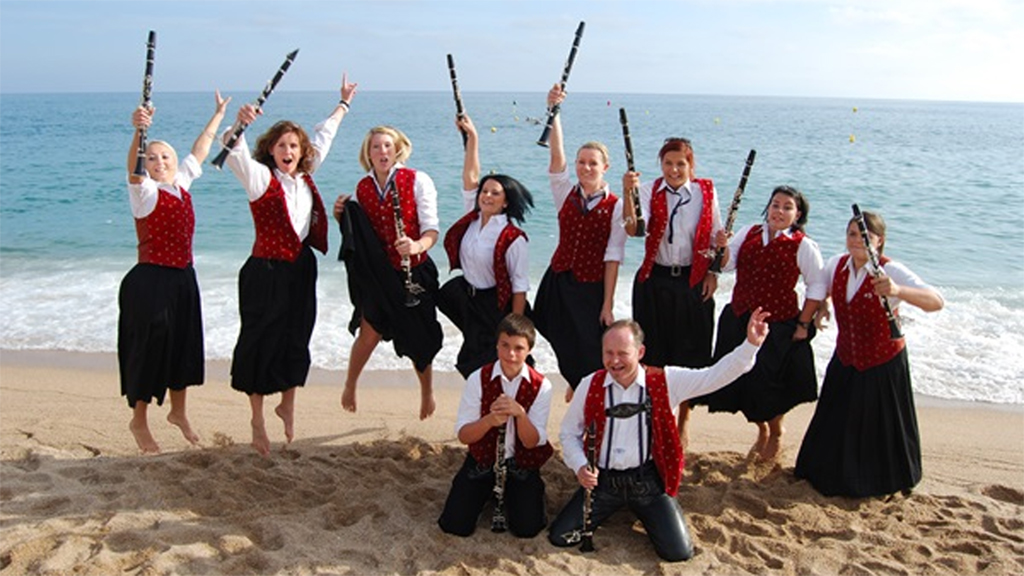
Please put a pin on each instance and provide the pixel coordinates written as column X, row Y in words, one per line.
column 160, row 326
column 402, row 308
column 673, row 292
column 863, row 439
column 575, row 297
column 277, row 284
column 491, row 250
column 769, row 259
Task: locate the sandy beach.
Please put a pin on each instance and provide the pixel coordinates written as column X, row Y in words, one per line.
column 360, row 493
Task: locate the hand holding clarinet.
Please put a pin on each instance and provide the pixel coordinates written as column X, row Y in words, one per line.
column 883, row 286
column 553, row 108
column 635, row 221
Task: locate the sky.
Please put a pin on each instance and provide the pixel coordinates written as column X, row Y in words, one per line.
column 962, row 50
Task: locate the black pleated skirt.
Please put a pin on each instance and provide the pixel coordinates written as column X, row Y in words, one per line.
column 159, row 332
column 277, row 303
column 782, row 378
column 863, row 439
column 568, row 314
column 678, row 326
column 413, row 330
column 476, row 314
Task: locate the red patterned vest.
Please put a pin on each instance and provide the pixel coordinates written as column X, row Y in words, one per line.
column 583, row 237
column 381, row 213
column 453, row 241
column 484, row 449
column 275, row 236
column 658, row 224
column 767, row 275
column 667, row 452
column 863, row 340
column 165, row 235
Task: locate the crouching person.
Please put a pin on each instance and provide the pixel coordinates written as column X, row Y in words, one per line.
column 503, row 417
column 638, row 457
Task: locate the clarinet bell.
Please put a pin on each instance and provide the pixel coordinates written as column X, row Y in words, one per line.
column 587, row 544
column 641, row 229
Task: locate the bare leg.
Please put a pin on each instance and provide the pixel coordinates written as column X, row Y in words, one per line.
column 364, row 345
column 684, row 425
column 757, row 450
column 426, row 392
column 139, row 427
column 286, row 412
column 773, row 447
column 260, row 440
column 179, row 418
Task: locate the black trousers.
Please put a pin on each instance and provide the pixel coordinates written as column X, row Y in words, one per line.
column 473, row 486
column 642, row 491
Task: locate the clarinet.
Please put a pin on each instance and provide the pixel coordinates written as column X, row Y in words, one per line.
column 147, row 89
column 458, row 97
column 239, row 128
column 634, row 194
column 553, row 110
column 876, row 272
column 498, row 522
column 411, row 288
column 716, row 264
column 587, row 537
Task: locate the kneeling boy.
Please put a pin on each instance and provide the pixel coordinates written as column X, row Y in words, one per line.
column 511, row 397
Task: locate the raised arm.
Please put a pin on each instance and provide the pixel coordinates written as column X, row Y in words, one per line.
column 556, row 96
column 348, row 92
column 141, row 118
column 201, row 147
column 471, row 162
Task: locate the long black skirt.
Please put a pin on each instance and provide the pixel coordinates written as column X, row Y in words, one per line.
column 159, row 332
column 782, row 378
column 678, row 326
column 568, row 314
column 277, row 303
column 863, row 439
column 476, row 314
column 413, row 330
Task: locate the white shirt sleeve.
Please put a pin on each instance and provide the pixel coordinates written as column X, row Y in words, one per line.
column 540, row 410
column 518, row 262
column 254, row 176
column 561, row 186
column 812, row 268
column 615, row 251
column 469, row 405
column 570, row 433
column 426, row 202
column 686, row 383
column 323, row 136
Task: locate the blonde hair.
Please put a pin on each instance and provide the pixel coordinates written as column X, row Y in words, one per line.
column 599, row 147
column 403, row 147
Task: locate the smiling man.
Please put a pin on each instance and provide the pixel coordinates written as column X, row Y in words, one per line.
column 638, row 460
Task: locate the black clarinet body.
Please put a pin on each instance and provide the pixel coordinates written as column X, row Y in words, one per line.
column 147, row 91
column 716, row 263
column 498, row 521
column 553, row 111
column 876, row 271
column 634, row 194
column 455, row 92
column 587, row 536
column 239, row 128
column 411, row 288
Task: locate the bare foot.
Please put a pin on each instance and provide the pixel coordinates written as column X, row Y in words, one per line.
column 140, row 430
column 348, row 398
column 426, row 405
column 288, row 416
column 757, row 450
column 181, row 421
column 772, row 448
column 260, row 440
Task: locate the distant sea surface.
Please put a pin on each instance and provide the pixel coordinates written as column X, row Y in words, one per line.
column 948, row 177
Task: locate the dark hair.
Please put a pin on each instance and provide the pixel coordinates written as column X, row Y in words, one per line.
column 680, row 145
column 517, row 325
column 517, row 197
column 801, row 204
column 264, row 153
column 874, row 223
column 632, row 325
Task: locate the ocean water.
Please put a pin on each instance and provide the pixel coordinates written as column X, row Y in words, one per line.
column 948, row 177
